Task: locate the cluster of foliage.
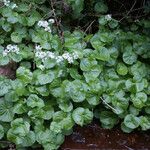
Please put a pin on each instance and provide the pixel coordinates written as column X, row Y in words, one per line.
column 109, row 79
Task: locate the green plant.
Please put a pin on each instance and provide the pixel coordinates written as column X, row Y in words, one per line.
column 66, row 80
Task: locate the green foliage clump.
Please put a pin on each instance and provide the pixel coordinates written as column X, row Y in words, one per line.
column 69, row 79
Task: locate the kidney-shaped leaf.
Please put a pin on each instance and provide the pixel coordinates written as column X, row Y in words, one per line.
column 131, row 121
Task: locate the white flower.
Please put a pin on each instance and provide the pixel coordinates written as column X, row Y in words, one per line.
column 66, row 55
column 75, row 55
column 11, row 48
column 48, row 29
column 45, row 25
column 59, row 59
column 9, row 4
column 51, row 55
column 38, row 47
column 40, row 24
column 70, row 60
column 7, row 50
column 15, row 47
column 51, row 21
column 6, row 2
column 16, row 50
column 108, row 17
column 37, row 54
column 42, row 55
column 14, row 6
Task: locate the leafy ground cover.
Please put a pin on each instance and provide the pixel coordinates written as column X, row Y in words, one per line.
column 67, row 75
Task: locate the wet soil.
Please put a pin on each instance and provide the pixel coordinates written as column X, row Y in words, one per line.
column 93, row 137
column 8, row 70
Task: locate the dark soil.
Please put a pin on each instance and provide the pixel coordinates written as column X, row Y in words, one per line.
column 8, row 70
column 93, row 137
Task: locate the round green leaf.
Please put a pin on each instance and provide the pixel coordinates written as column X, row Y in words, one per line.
column 102, row 54
column 29, row 139
column 129, row 57
column 23, row 7
column 125, row 129
column 34, row 101
column 87, row 64
column 48, row 112
column 144, row 123
column 49, row 63
column 6, row 111
column 45, row 78
column 1, row 132
column 82, row 116
column 4, row 87
column 131, row 121
column 108, row 119
column 122, row 69
column 4, row 60
column 100, row 7
column 66, row 107
column 113, row 23
column 24, row 74
column 15, row 37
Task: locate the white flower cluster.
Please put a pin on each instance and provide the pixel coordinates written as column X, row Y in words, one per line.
column 45, row 24
column 45, row 55
column 108, row 17
column 68, row 57
column 38, row 47
column 11, row 48
column 14, row 6
column 8, row 4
